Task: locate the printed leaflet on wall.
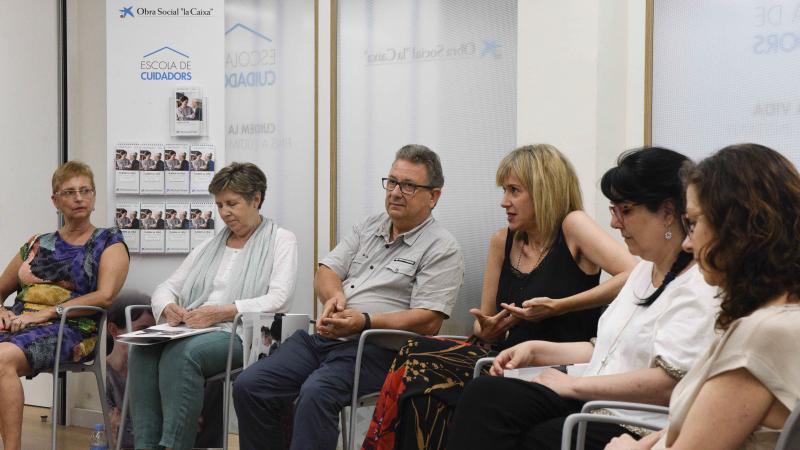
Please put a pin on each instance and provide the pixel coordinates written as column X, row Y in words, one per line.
column 202, row 216
column 177, row 169
column 127, row 220
column 126, row 168
column 202, row 162
column 179, row 227
column 152, row 227
column 151, row 178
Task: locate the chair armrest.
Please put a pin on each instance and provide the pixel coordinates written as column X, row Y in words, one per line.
column 384, row 338
column 483, row 362
column 598, row 404
column 128, row 310
column 583, row 418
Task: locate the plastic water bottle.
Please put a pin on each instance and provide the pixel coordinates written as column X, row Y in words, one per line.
column 98, row 438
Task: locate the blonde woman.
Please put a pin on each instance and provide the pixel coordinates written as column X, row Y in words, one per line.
column 541, row 282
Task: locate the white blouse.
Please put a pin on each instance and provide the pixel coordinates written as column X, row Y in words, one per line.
column 281, row 283
column 671, row 333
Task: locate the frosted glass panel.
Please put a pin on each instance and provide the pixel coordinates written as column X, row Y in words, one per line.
column 437, row 73
column 726, row 72
column 269, row 114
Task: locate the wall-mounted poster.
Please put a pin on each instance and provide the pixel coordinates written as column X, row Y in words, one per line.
column 151, row 177
column 190, row 112
column 201, row 162
column 151, row 236
column 126, row 168
column 176, row 178
column 127, row 220
column 203, row 222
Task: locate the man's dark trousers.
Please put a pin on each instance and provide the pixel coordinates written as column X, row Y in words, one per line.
column 319, row 373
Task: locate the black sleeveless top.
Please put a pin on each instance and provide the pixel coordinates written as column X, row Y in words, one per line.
column 557, row 276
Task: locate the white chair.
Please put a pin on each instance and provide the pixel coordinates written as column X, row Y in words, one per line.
column 95, row 366
column 388, row 339
column 251, row 323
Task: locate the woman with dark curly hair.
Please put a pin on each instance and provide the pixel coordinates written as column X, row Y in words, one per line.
column 743, row 205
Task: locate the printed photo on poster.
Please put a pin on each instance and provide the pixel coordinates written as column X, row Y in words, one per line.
column 151, row 157
column 127, row 220
column 191, row 112
column 202, row 157
column 126, row 168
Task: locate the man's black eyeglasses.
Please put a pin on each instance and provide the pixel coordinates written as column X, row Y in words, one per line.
column 405, row 187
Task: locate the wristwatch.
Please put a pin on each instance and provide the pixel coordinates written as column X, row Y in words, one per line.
column 59, row 311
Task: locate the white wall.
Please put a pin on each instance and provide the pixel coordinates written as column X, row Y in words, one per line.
column 29, row 118
column 86, row 87
column 581, row 84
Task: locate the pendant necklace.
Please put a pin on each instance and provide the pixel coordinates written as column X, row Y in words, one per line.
column 538, row 261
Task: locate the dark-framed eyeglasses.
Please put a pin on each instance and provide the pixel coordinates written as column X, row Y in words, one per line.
column 405, row 187
column 73, row 193
column 620, row 210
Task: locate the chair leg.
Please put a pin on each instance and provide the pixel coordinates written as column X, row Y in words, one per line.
column 123, row 413
column 101, row 390
column 344, row 429
column 226, row 411
column 54, row 411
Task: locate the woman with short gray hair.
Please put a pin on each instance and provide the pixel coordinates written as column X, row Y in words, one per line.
column 249, row 266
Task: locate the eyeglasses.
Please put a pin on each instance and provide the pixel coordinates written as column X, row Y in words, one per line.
column 689, row 224
column 405, row 187
column 619, row 211
column 72, row 193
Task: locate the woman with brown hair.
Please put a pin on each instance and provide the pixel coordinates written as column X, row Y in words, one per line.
column 743, row 205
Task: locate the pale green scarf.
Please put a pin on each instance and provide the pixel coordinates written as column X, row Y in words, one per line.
column 250, row 274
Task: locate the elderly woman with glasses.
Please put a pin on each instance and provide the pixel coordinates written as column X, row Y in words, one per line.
column 249, row 266
column 78, row 265
column 742, row 208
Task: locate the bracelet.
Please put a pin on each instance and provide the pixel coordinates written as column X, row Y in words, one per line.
column 367, row 322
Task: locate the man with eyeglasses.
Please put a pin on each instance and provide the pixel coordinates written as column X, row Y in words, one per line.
column 399, row 269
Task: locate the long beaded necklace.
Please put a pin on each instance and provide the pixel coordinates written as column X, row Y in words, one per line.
column 613, row 347
column 542, row 252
